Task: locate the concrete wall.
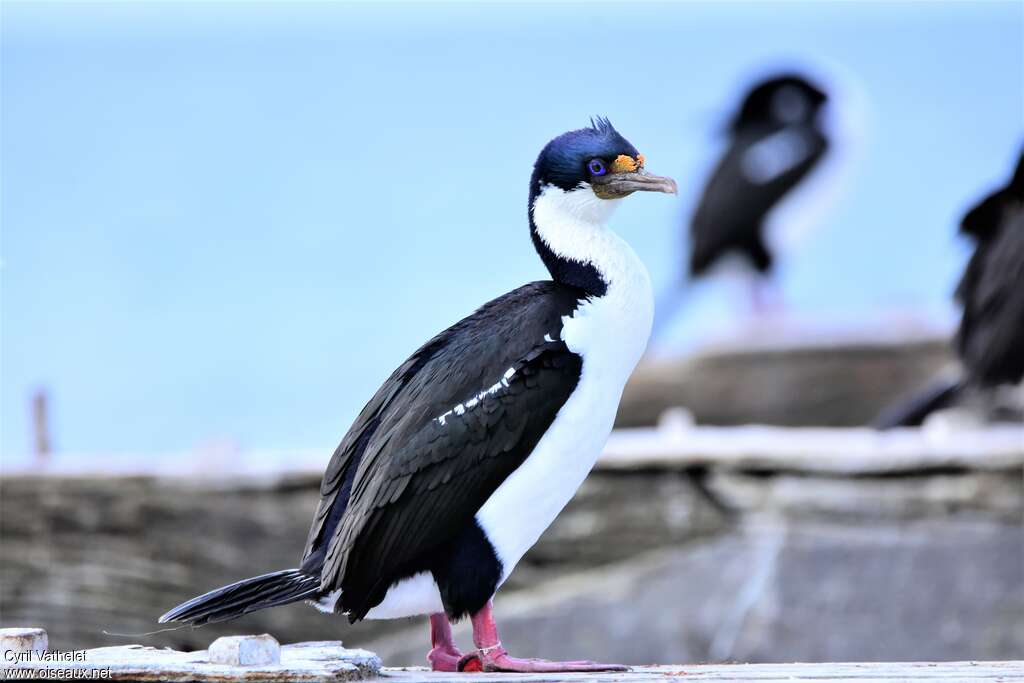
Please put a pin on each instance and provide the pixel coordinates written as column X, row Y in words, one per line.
column 794, row 384
column 680, row 562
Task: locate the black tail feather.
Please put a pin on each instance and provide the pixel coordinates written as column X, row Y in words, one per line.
column 913, row 411
column 248, row 595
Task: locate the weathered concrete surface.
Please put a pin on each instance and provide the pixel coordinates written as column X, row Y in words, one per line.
column 84, row 555
column 315, row 661
column 741, row 673
column 329, row 661
column 839, row 385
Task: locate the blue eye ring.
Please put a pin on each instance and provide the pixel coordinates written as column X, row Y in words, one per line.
column 596, row 167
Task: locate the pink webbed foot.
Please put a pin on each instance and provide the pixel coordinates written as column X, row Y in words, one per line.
column 444, row 659
column 444, row 656
column 491, row 656
column 499, row 660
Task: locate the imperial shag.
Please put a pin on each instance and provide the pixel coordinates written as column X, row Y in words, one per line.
column 475, row 443
column 990, row 338
column 775, row 141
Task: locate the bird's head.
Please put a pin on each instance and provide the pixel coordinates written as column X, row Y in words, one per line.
column 592, row 166
column 577, row 181
column 787, row 99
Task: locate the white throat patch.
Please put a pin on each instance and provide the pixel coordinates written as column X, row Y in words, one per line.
column 580, row 203
column 573, row 224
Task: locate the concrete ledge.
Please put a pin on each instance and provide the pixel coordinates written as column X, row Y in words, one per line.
column 313, row 661
column 825, row 450
column 915, row 671
column 871, row 671
column 329, row 661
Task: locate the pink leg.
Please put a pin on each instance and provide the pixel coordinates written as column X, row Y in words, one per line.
column 491, row 656
column 445, row 655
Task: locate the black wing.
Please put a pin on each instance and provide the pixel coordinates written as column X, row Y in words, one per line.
column 438, row 438
column 991, row 335
column 758, row 169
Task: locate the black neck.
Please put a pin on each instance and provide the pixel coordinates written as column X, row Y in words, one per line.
column 583, row 275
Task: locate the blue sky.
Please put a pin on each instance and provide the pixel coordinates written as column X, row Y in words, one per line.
column 232, row 221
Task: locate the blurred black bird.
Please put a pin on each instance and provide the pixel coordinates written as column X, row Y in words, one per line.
column 776, row 138
column 990, row 340
column 775, row 141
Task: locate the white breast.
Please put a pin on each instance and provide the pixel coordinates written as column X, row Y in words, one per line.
column 610, row 333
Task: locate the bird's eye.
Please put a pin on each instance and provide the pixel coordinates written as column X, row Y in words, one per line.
column 596, row 167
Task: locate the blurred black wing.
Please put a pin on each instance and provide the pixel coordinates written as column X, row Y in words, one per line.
column 991, row 335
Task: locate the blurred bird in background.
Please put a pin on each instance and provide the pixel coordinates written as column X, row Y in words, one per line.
column 775, row 141
column 990, row 340
column 777, row 137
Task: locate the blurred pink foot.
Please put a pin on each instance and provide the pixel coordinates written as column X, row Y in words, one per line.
column 498, row 660
column 491, row 656
column 444, row 656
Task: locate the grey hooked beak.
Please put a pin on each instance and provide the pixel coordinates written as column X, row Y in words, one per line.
column 616, row 185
